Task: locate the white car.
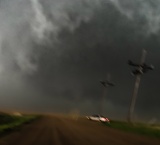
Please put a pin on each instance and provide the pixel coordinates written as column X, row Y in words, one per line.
column 98, row 118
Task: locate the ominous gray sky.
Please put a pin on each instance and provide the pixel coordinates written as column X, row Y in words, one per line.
column 54, row 52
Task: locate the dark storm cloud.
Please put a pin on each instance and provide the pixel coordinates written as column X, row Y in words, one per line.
column 55, row 52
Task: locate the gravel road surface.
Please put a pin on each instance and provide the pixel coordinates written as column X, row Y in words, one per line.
column 63, row 130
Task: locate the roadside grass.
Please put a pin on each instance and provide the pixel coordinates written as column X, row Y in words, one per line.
column 138, row 128
column 9, row 123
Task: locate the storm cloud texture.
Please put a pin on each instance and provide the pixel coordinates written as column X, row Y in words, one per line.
column 54, row 52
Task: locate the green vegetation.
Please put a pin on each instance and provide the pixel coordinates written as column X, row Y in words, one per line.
column 138, row 128
column 11, row 122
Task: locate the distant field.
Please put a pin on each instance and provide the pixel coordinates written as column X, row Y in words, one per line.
column 12, row 122
column 138, row 128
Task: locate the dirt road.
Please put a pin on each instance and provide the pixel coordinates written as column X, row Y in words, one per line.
column 58, row 130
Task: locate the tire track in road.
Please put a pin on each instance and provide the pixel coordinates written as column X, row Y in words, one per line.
column 42, row 138
column 61, row 139
column 62, row 135
column 65, row 134
column 72, row 132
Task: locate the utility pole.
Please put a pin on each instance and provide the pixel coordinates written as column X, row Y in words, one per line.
column 141, row 69
column 106, row 84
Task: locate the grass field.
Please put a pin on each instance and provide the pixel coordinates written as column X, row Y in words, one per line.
column 138, row 128
column 11, row 122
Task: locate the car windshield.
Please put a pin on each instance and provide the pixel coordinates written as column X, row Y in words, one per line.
column 101, row 116
column 95, row 115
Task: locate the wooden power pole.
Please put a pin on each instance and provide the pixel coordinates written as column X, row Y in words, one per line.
column 136, row 87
